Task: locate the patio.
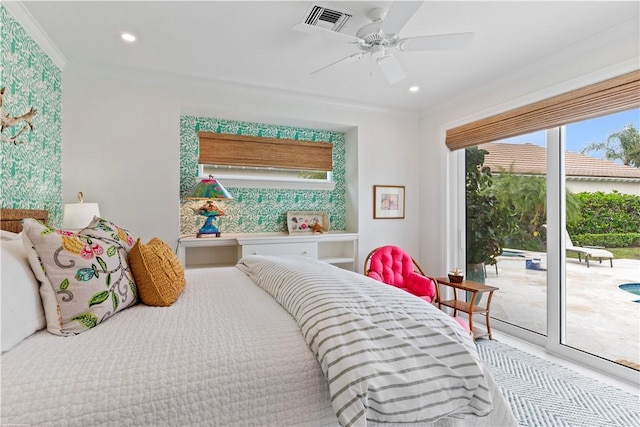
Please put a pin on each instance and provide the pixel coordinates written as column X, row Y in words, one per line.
column 601, row 318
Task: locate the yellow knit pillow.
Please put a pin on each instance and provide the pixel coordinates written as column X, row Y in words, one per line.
column 157, row 271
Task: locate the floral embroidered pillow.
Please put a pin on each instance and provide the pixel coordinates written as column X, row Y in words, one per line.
column 86, row 278
column 102, row 228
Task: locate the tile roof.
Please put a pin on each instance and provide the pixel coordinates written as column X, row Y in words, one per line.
column 531, row 159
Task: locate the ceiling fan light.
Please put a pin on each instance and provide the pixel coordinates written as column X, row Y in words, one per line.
column 391, row 69
column 377, row 51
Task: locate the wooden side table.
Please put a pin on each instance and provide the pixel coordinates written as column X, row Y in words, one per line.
column 470, row 308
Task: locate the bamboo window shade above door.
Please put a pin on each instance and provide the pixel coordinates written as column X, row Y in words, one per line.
column 263, row 152
column 607, row 97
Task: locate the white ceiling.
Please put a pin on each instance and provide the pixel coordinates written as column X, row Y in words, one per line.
column 254, row 43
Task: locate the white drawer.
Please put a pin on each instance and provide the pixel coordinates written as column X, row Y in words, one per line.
column 309, row 249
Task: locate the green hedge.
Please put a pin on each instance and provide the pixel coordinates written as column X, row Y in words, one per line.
column 606, row 213
column 610, row 240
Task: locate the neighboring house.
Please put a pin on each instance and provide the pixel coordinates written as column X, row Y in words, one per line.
column 583, row 173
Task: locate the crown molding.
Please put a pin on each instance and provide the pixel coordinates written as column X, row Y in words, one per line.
column 20, row 13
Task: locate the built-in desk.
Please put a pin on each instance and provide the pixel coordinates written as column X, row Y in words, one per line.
column 336, row 248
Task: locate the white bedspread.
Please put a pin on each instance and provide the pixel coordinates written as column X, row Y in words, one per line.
column 388, row 356
column 225, row 354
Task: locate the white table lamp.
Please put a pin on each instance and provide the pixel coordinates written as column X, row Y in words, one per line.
column 78, row 215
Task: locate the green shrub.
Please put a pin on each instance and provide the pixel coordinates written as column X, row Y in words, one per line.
column 606, row 213
column 610, row 240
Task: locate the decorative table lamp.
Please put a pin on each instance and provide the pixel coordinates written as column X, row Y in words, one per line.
column 209, row 189
column 78, row 215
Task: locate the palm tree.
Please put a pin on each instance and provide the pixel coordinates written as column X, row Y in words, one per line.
column 623, row 145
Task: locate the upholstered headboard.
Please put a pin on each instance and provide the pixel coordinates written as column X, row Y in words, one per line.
column 11, row 219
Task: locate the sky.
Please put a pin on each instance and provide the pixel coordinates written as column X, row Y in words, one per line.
column 581, row 134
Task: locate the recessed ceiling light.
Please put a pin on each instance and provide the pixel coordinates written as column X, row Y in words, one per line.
column 414, row 88
column 128, row 37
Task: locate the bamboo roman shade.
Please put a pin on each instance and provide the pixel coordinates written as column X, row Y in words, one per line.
column 607, row 97
column 241, row 150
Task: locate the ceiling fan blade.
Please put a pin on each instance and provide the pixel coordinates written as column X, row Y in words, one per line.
column 345, row 60
column 437, row 42
column 398, row 15
column 323, row 32
column 391, row 68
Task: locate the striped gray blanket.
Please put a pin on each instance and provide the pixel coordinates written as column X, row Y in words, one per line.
column 387, row 355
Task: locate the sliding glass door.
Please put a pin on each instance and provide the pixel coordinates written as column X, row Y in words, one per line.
column 518, row 182
column 601, row 305
column 569, row 268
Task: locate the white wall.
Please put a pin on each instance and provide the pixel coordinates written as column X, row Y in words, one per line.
column 121, row 135
column 578, row 186
column 120, row 148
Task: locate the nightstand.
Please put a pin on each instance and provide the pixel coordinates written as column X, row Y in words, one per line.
column 474, row 288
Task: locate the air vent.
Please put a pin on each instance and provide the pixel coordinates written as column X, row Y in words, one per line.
column 326, row 18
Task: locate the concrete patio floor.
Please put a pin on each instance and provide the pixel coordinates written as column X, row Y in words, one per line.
column 602, row 319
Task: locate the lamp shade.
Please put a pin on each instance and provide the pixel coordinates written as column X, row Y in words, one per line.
column 209, row 188
column 79, row 215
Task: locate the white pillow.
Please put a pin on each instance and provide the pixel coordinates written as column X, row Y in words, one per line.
column 22, row 312
column 8, row 235
column 47, row 294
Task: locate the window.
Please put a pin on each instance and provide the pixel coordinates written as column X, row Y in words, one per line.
column 246, row 161
column 254, row 177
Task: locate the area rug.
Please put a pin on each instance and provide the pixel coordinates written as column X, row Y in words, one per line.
column 542, row 393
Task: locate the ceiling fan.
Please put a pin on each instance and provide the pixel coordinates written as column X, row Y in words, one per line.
column 381, row 36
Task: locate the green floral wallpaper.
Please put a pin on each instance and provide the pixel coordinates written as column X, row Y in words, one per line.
column 31, row 172
column 259, row 210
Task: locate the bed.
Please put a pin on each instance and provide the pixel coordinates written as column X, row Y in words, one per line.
column 225, row 353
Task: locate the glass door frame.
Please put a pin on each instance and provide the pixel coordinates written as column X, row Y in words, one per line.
column 556, row 260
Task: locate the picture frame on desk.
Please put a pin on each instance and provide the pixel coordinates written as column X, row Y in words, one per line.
column 302, row 222
column 388, row 201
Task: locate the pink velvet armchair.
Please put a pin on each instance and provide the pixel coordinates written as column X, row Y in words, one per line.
column 393, row 266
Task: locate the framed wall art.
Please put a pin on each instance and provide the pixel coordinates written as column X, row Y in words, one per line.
column 388, row 202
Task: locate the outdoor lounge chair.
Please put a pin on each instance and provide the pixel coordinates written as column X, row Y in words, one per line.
column 589, row 252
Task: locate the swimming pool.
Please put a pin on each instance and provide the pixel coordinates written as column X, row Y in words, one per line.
column 633, row 288
column 513, row 253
